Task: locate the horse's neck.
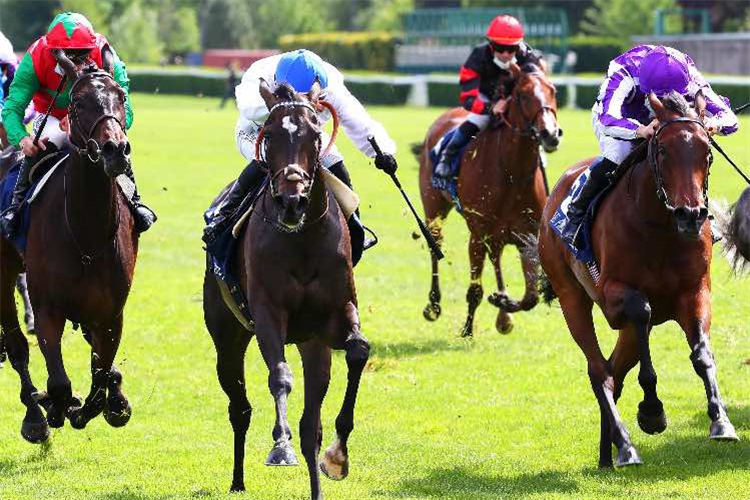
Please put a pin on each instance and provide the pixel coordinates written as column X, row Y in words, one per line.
column 89, row 200
column 641, row 193
column 516, row 154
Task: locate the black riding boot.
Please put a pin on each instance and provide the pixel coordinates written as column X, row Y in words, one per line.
column 144, row 216
column 342, row 174
column 248, row 181
column 460, row 138
column 10, row 218
column 598, row 180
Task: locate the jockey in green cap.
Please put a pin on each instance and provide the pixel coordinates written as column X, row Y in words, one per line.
column 37, row 79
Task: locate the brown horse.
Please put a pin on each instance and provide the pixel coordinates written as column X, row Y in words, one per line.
column 502, row 190
column 79, row 261
column 295, row 268
column 654, row 255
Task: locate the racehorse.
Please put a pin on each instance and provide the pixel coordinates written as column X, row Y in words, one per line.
column 294, row 264
column 653, row 251
column 736, row 233
column 80, row 257
column 502, row 189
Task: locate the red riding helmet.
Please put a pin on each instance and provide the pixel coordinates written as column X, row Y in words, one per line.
column 70, row 30
column 505, row 30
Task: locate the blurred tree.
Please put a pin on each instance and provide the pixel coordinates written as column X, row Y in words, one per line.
column 178, row 28
column 96, row 12
column 134, row 34
column 283, row 17
column 23, row 21
column 623, row 18
column 384, row 15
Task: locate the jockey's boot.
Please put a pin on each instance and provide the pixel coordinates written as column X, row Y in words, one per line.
column 10, row 218
column 342, row 174
column 248, row 181
column 144, row 216
column 460, row 138
column 598, row 180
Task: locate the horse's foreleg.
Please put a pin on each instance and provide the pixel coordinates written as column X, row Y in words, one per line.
column 335, row 463
column 530, row 268
column 474, row 294
column 432, row 310
column 28, row 314
column 576, row 306
column 316, row 363
column 271, row 334
column 504, row 321
column 695, row 320
column 49, row 329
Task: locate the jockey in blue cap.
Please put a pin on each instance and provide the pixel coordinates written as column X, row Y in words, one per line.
column 301, row 69
column 623, row 114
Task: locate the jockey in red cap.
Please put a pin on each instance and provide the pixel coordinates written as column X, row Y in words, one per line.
column 480, row 76
column 36, row 79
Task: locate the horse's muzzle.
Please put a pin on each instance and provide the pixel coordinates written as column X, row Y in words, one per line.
column 690, row 220
column 550, row 141
column 116, row 157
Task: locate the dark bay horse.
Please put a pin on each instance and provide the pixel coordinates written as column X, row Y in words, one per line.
column 653, row 249
column 295, row 267
column 502, row 190
column 79, row 261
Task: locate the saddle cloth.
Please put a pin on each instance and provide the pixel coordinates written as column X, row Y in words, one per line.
column 449, row 185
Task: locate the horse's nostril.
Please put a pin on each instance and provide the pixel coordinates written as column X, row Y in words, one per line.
column 125, row 148
column 559, row 132
column 703, row 214
column 109, row 149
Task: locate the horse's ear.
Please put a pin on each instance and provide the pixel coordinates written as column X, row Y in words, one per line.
column 108, row 60
column 515, row 69
column 700, row 105
column 266, row 94
column 66, row 64
column 658, row 107
column 315, row 90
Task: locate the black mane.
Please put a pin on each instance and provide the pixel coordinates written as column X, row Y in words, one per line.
column 285, row 92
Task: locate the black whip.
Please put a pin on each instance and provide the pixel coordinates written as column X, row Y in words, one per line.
column 718, row 148
column 434, row 248
column 742, row 108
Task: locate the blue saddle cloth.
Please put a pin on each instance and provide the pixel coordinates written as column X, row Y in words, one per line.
column 449, row 185
column 7, row 185
column 559, row 222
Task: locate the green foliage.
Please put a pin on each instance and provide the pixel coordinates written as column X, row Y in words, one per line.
column 379, row 93
column 178, row 29
column 134, row 34
column 384, row 15
column 177, row 82
column 23, row 21
column 282, row 17
column 96, row 12
column 622, row 19
column 595, row 53
column 373, row 51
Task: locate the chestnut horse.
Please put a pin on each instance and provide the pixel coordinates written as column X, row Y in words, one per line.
column 653, row 250
column 294, row 265
column 79, row 260
column 502, row 189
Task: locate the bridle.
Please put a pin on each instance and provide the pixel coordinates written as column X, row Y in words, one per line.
column 90, row 148
column 653, row 158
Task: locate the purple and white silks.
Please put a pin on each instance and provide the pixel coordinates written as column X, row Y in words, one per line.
column 622, row 106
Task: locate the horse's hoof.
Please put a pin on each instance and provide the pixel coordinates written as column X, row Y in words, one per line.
column 652, row 424
column 467, row 331
column 723, row 430
column 497, row 299
column 35, row 432
column 628, row 455
column 55, row 419
column 238, row 486
column 335, row 465
column 75, row 417
column 282, row 454
column 504, row 323
column 432, row 311
column 117, row 415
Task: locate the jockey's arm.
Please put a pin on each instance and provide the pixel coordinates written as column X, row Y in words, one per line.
column 358, row 125
column 22, row 90
column 616, row 89
column 121, row 77
column 720, row 117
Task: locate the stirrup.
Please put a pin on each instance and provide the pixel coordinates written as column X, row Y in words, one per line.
column 369, row 242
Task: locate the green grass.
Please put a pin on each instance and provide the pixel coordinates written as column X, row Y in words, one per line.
column 508, row 417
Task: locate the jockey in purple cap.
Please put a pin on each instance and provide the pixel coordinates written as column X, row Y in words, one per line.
column 623, row 114
column 300, row 69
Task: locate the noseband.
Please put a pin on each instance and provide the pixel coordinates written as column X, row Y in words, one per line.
column 653, row 159
column 90, row 148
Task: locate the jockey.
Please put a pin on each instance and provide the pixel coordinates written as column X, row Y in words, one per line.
column 623, row 114
column 36, row 79
column 300, row 69
column 487, row 65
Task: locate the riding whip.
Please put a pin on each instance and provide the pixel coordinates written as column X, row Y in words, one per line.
column 740, row 109
column 49, row 109
column 434, row 248
column 718, row 148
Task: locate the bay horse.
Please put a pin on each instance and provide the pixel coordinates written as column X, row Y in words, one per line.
column 502, row 190
column 80, row 257
column 294, row 265
column 653, row 250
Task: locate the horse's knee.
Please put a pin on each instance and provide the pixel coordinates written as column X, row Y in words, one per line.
column 474, row 294
column 280, row 379
column 702, row 358
column 357, row 350
column 636, row 308
column 239, row 415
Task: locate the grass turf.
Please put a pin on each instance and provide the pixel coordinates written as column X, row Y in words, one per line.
column 437, row 417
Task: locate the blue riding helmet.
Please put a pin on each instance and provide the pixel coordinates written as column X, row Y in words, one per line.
column 300, row 69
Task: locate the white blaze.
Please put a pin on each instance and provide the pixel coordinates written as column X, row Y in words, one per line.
column 290, row 127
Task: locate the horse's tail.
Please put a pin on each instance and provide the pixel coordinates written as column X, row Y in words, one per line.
column 416, row 148
column 734, row 225
column 530, row 250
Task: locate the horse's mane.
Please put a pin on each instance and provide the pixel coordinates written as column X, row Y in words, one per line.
column 676, row 103
column 285, row 92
